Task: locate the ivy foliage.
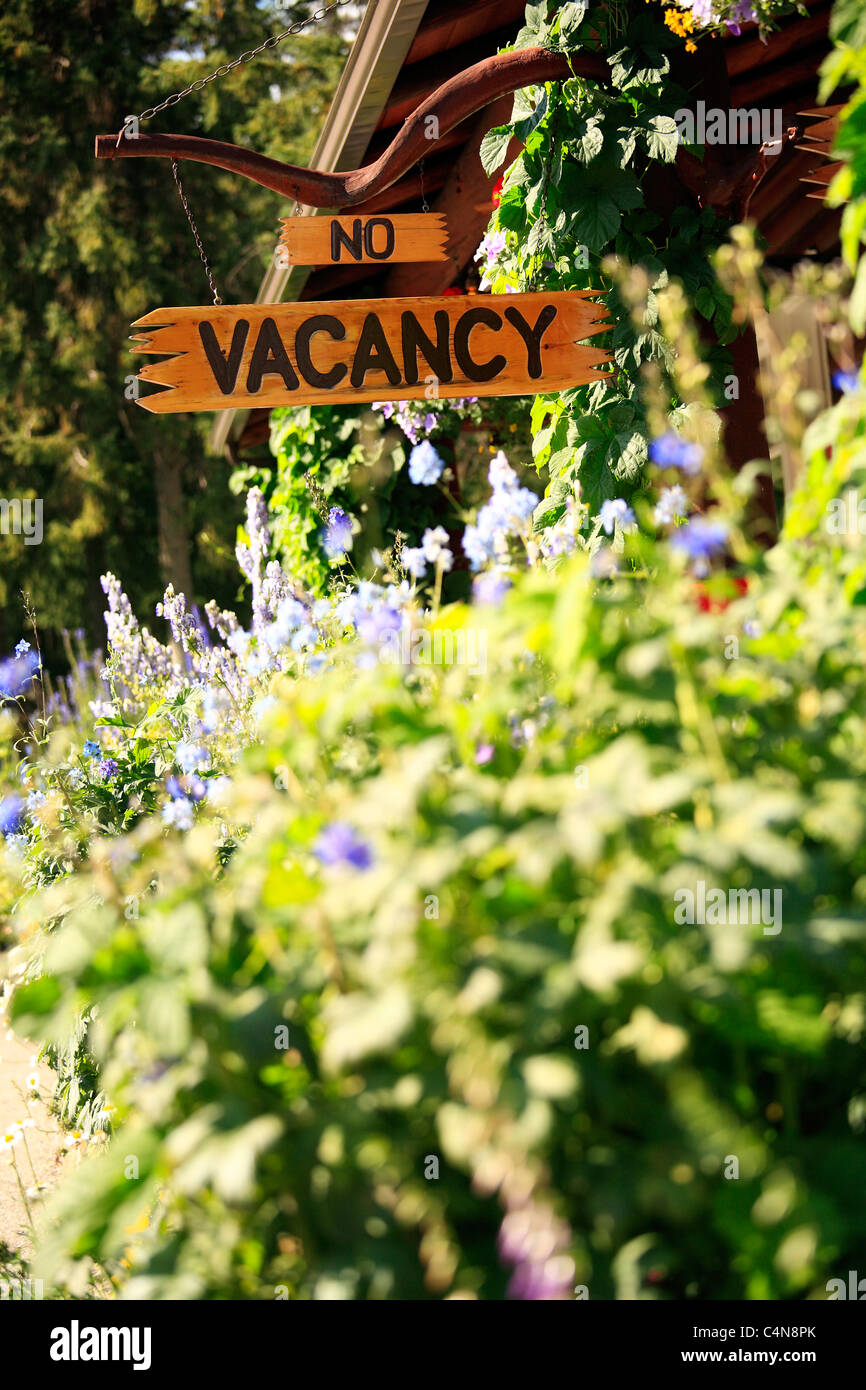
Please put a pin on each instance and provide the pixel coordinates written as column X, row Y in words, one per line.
column 846, row 64
column 578, row 194
column 314, row 453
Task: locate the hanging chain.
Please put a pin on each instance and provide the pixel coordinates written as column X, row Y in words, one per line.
column 197, row 86
column 201, row 251
column 425, row 206
column 226, row 68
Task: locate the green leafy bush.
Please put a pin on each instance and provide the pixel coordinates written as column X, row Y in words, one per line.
column 528, row 828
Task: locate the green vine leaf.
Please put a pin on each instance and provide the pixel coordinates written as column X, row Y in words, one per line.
column 494, row 148
column 662, row 138
column 588, row 139
column 571, row 17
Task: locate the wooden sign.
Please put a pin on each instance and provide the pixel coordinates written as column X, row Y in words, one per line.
column 366, row 350
column 346, row 240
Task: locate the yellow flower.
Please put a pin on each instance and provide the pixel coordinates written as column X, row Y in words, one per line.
column 680, row 21
column 140, row 1225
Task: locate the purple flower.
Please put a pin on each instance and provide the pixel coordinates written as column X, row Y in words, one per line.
column 425, row 465
column 670, row 450
column 846, row 382
column 11, row 814
column 533, row 1281
column 700, row 538
column 107, row 769
column 484, row 754
column 338, row 534
column 339, row 843
column 16, row 673
column 490, row 587
column 613, row 512
column 742, row 13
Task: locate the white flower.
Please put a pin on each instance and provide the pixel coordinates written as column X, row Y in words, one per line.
column 10, row 1134
column 413, row 560
column 32, row 1082
column 434, row 542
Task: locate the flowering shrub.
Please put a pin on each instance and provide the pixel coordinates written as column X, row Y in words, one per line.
column 358, row 1066
column 433, row 1027
column 371, row 956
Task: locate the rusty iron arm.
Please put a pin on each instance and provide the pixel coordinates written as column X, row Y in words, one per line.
column 450, row 104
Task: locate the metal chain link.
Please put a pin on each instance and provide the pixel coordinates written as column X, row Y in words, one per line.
column 201, row 251
column 223, row 71
column 425, row 206
column 226, row 68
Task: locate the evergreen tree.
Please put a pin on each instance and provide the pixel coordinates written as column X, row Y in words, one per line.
column 86, row 247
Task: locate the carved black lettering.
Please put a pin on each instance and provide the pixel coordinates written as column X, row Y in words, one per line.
column 415, row 339
column 270, row 358
column 369, row 238
column 319, row 323
column 532, row 336
column 472, row 370
column 354, row 244
column 373, row 354
column 225, row 367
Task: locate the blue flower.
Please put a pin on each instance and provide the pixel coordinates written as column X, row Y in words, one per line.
column 337, row 541
column 613, row 511
column 671, row 505
column 425, row 465
column 413, row 561
column 11, row 814
column 846, row 382
column 490, row 587
column 16, row 673
column 191, row 756
column 107, row 769
column 670, row 450
column 178, row 813
column 700, row 538
column 22, row 647
column 340, row 844
column 91, row 749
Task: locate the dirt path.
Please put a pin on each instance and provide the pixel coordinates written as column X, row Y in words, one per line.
column 43, row 1138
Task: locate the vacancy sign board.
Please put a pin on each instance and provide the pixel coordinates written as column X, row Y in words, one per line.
column 325, row 353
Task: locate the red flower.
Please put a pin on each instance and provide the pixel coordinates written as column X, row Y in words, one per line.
column 497, row 190
column 717, row 598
